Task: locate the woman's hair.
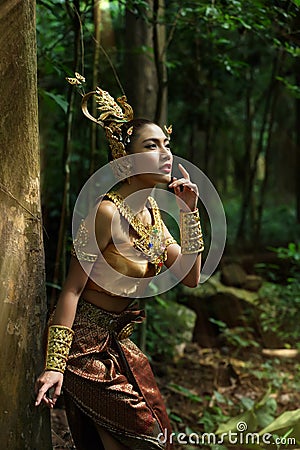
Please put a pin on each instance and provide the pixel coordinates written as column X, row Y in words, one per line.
column 128, row 140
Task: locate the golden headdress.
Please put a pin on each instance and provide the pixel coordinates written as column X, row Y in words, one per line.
column 113, row 114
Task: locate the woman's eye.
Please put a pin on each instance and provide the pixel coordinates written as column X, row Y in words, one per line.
column 151, row 146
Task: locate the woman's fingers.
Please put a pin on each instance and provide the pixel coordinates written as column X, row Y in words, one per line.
column 185, row 191
column 56, row 392
column 184, row 171
column 48, row 381
column 182, row 181
column 185, row 183
column 42, row 397
column 179, row 182
column 41, row 394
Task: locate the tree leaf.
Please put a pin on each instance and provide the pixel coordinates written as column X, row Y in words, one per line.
column 57, row 98
column 283, row 423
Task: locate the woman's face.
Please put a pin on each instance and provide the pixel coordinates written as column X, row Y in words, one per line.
column 154, row 158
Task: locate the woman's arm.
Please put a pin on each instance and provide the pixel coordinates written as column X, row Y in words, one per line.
column 67, row 303
column 64, row 315
column 185, row 266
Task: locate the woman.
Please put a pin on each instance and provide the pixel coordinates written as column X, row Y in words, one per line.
column 112, row 400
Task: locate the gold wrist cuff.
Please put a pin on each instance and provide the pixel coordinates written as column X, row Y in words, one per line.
column 59, row 344
column 191, row 233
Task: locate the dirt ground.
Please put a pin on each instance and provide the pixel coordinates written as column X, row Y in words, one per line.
column 203, row 385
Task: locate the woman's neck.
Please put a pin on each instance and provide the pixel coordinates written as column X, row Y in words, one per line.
column 136, row 197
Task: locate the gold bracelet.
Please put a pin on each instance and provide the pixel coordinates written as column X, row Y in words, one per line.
column 191, row 233
column 170, row 241
column 58, row 348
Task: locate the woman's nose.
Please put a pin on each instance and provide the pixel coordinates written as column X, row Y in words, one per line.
column 166, row 149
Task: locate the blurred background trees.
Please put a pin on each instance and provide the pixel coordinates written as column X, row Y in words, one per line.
column 228, row 70
column 224, row 72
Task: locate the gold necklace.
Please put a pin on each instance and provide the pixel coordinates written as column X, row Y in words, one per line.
column 151, row 241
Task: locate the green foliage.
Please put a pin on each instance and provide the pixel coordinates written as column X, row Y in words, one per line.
column 214, row 414
column 223, row 417
column 271, row 373
column 280, row 311
column 58, row 99
column 292, row 253
column 168, row 325
column 256, row 415
column 280, row 305
column 186, row 392
column 259, row 419
column 278, row 222
column 237, row 337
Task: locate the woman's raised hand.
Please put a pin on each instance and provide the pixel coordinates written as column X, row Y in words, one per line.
column 185, row 190
column 47, row 380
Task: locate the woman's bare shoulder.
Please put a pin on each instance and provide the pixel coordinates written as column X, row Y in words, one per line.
column 106, row 209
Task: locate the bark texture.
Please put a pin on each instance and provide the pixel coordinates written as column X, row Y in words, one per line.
column 22, row 292
column 141, row 81
column 146, row 77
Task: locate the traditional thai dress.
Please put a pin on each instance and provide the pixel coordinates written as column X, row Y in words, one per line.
column 108, row 380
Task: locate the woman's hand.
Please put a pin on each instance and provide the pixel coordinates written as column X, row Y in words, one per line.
column 185, row 190
column 47, row 380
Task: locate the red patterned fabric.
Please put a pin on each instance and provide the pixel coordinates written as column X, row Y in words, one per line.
column 109, row 380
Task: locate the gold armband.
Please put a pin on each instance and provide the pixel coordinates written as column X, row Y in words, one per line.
column 170, row 241
column 80, row 243
column 59, row 344
column 190, row 232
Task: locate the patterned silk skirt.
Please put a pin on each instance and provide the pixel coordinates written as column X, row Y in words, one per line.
column 109, row 383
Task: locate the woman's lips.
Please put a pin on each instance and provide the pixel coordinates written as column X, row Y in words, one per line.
column 166, row 168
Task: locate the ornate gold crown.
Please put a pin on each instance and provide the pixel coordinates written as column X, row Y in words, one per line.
column 112, row 116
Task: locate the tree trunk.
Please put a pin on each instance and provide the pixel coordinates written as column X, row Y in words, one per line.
column 141, row 77
column 159, row 47
column 247, row 159
column 96, row 61
column 249, row 199
column 22, row 294
column 297, row 133
column 267, row 160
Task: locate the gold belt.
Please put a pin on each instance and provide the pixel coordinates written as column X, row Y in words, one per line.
column 120, row 325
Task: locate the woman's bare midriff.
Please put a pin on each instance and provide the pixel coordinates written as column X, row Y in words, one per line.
column 106, row 301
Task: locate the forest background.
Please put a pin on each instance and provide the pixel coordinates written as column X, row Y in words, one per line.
column 226, row 75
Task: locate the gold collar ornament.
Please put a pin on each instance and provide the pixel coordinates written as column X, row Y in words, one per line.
column 151, row 241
